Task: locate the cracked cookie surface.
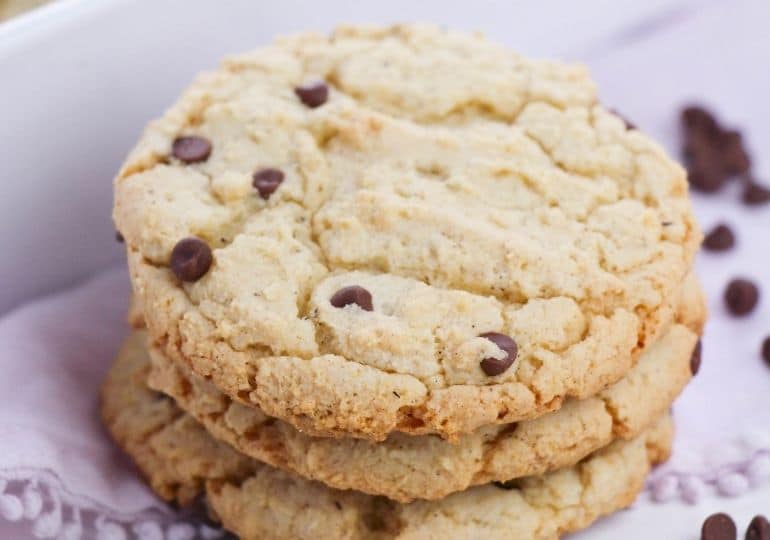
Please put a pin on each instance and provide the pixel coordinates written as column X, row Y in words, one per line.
column 467, row 190
column 405, row 467
column 181, row 461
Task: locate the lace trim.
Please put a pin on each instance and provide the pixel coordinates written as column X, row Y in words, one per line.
column 729, row 478
column 38, row 497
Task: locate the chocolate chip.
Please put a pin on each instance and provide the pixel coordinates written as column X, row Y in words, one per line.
column 720, row 238
column 713, row 154
column 695, row 358
column 352, row 295
column 719, row 527
column 191, row 149
column 766, row 350
column 267, row 181
column 119, row 237
column 338, row 505
column 191, row 259
column 313, row 95
column 734, row 156
column 759, row 529
column 697, row 118
column 493, row 366
column 706, row 174
column 160, row 397
column 741, row 296
column 755, row 194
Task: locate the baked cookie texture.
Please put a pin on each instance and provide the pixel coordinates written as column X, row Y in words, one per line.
column 181, row 461
column 405, row 467
column 467, row 189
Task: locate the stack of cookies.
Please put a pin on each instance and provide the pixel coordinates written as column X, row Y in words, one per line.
column 401, row 283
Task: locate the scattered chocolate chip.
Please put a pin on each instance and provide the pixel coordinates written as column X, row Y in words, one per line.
column 766, row 350
column 706, row 174
column 741, row 296
column 666, row 223
column 755, row 194
column 720, row 238
column 695, row 358
column 759, row 529
column 734, row 155
column 267, row 181
column 719, row 527
column 191, row 259
column 119, row 237
column 191, row 149
column 493, row 366
column 338, row 505
column 396, row 394
column 697, row 118
column 313, row 95
column 712, row 153
column 352, row 295
column 507, row 485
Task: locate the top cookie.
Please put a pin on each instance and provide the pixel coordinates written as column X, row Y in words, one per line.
column 402, row 229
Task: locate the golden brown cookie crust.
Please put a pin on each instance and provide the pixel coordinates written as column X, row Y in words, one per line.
column 181, row 460
column 503, row 200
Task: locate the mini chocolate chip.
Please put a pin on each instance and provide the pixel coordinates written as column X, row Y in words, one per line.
column 719, row 527
column 267, row 181
column 734, row 156
column 352, row 295
column 706, row 175
column 313, row 95
column 191, row 149
column 493, row 366
column 766, row 350
column 191, row 259
column 755, row 194
column 697, row 118
column 695, row 358
column 759, row 529
column 119, row 237
column 741, row 296
column 720, row 238
column 338, row 505
column 507, row 485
